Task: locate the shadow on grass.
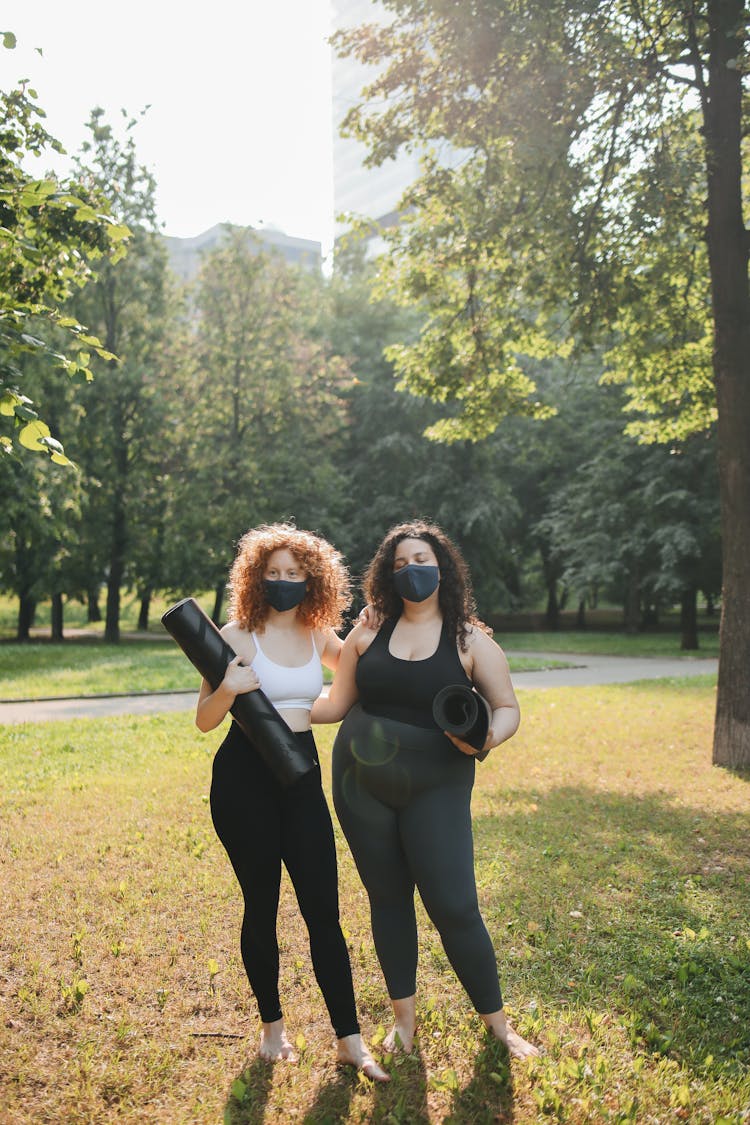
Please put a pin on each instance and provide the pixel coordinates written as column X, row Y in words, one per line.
column 633, row 906
column 333, row 1100
column 248, row 1096
column 488, row 1098
column 403, row 1099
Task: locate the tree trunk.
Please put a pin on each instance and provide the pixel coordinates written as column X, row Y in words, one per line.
column 94, row 613
column 218, row 602
column 689, row 619
column 145, row 609
column 56, row 631
column 26, row 614
column 552, row 613
column 551, row 575
column 632, row 604
column 728, row 260
column 581, row 615
column 116, row 568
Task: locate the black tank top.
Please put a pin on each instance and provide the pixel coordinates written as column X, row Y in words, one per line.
column 404, row 689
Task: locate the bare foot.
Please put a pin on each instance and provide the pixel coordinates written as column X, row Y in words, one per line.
column 399, row 1038
column 352, row 1051
column 401, row 1035
column 518, row 1048
column 274, row 1044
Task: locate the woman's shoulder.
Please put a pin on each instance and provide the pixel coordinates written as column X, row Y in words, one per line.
column 362, row 635
column 479, row 637
column 323, row 636
column 231, row 628
column 235, row 634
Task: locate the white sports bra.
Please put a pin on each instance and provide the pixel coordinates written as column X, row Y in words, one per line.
column 289, row 687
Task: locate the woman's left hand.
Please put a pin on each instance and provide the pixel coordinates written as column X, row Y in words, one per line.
column 471, row 751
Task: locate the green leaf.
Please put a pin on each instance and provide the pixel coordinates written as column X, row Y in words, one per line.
column 25, row 413
column 9, row 40
column 239, row 1089
column 31, row 435
column 8, row 402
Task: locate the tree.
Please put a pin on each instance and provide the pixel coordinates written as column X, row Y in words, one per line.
column 267, row 385
column 392, row 472
column 639, row 523
column 556, row 107
column 121, row 449
column 51, row 233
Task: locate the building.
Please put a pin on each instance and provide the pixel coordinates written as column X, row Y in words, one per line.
column 370, row 192
column 185, row 254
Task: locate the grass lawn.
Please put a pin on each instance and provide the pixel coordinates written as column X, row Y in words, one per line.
column 613, row 865
column 609, row 644
column 45, row 670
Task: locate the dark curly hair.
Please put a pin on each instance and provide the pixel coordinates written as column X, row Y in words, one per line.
column 454, row 594
column 327, row 577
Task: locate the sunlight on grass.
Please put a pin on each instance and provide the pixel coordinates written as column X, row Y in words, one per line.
column 47, row 671
column 610, row 644
column 613, row 865
column 38, row 671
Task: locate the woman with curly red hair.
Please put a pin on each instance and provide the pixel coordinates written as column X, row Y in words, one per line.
column 288, row 591
column 402, row 792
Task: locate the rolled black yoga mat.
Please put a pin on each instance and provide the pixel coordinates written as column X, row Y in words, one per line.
column 207, row 651
column 463, row 712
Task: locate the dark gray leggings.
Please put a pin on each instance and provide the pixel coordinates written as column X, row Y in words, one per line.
column 403, row 798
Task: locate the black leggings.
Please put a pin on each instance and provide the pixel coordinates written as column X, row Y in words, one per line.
column 260, row 824
column 403, row 798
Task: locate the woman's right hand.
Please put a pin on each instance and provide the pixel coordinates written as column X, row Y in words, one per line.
column 240, row 678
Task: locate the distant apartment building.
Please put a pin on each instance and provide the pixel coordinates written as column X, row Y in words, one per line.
column 185, row 254
column 372, row 192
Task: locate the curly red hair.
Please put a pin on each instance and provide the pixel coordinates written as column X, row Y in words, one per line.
column 328, row 594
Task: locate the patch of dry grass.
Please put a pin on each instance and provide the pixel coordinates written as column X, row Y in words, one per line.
column 612, row 861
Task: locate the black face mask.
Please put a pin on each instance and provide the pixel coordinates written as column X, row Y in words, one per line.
column 282, row 595
column 415, row 583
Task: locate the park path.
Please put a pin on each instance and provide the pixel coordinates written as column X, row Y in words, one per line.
column 587, row 670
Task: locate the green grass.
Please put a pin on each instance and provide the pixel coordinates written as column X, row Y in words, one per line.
column 609, row 644
column 38, row 671
column 613, row 864
column 50, row 671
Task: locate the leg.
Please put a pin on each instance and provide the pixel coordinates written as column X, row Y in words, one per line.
column 309, row 853
column 372, row 832
column 245, row 812
column 438, row 840
column 436, row 831
column 401, row 1035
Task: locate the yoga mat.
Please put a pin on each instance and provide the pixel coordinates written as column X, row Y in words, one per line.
column 207, row 651
column 463, row 712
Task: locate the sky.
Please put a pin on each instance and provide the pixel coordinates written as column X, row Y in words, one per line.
column 239, row 124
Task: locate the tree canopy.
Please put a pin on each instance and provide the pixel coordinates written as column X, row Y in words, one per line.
column 51, row 233
column 581, row 183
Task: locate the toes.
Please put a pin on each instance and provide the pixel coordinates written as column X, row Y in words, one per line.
column 373, row 1071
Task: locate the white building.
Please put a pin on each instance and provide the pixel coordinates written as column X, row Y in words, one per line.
column 185, row 253
column 372, row 192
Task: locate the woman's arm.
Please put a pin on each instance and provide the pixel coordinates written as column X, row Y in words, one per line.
column 332, row 707
column 329, row 646
column 490, row 674
column 213, row 706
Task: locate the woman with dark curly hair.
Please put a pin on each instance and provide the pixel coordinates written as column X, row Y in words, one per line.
column 402, row 792
column 288, row 590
